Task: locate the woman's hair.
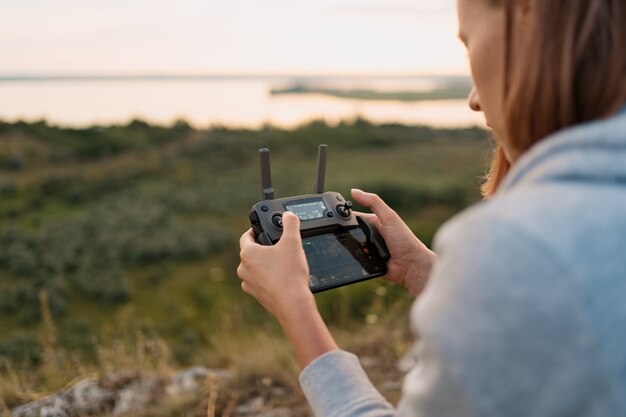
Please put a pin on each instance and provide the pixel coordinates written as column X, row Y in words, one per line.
column 571, row 70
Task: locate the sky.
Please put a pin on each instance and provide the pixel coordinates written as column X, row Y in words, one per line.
column 230, row 37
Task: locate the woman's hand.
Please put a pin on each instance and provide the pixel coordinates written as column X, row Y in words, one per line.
column 278, row 277
column 411, row 260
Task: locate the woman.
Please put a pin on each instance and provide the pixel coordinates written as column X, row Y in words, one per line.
column 523, row 310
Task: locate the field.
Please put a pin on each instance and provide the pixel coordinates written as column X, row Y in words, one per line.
column 111, row 236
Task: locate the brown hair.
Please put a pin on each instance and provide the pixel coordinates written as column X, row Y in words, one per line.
column 571, row 70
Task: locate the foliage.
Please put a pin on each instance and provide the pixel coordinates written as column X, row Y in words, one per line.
column 90, row 251
column 145, row 217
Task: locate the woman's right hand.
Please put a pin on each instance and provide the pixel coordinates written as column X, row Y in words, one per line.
column 411, row 260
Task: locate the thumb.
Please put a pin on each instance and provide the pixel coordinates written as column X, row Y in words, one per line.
column 291, row 228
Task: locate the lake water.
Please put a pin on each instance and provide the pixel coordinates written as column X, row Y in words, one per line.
column 234, row 102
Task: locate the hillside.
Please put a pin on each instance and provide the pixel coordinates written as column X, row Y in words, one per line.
column 132, row 232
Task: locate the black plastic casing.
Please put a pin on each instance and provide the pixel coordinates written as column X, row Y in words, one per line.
column 332, row 220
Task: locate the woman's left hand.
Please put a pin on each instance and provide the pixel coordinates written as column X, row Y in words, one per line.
column 277, row 276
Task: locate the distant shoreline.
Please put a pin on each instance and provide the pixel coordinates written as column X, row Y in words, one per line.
column 225, row 77
column 445, row 93
column 185, row 125
column 237, row 100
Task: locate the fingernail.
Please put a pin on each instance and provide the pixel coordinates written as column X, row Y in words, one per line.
column 357, row 191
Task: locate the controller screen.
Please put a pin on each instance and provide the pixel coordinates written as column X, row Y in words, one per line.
column 309, row 209
column 342, row 256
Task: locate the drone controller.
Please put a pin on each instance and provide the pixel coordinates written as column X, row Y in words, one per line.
column 341, row 248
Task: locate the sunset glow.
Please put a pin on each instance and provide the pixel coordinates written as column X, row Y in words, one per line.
column 241, row 36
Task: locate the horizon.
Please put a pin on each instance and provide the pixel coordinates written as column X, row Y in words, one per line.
column 226, row 75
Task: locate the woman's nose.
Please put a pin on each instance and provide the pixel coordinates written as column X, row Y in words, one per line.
column 474, row 100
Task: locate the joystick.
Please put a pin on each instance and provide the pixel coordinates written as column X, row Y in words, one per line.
column 341, row 248
column 344, row 210
column 277, row 220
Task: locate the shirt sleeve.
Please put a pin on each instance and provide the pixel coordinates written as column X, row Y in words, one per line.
column 336, row 385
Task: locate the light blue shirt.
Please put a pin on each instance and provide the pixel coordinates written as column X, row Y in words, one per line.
column 525, row 310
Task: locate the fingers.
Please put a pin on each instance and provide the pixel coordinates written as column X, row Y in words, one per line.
column 240, row 271
column 291, row 229
column 245, row 287
column 243, row 274
column 246, row 239
column 374, row 203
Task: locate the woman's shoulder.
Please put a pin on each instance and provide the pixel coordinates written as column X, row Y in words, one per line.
column 516, row 222
column 502, row 242
column 505, row 302
column 571, row 222
column 549, row 255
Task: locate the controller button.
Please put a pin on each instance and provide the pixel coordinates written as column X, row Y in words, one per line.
column 330, row 214
column 344, row 210
column 264, row 208
column 264, row 239
column 359, row 235
column 277, row 220
column 254, row 218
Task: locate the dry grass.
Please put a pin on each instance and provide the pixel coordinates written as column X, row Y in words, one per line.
column 53, row 363
column 12, row 388
column 262, row 363
column 127, row 347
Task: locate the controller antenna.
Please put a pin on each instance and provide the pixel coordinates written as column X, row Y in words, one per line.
column 318, row 187
column 266, row 174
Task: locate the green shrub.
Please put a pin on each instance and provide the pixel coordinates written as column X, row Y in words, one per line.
column 8, row 188
column 415, row 197
column 12, row 162
column 92, row 249
column 21, row 348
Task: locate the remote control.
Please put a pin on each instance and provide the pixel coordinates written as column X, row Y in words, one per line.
column 341, row 248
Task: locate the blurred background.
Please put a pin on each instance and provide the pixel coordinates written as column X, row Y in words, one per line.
column 129, row 133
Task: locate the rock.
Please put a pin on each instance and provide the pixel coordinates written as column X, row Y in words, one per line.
column 391, row 386
column 409, row 360
column 137, row 396
column 192, row 379
column 276, row 412
column 368, row 361
column 254, row 406
column 279, row 392
column 52, row 406
column 124, row 393
column 86, row 397
column 119, row 379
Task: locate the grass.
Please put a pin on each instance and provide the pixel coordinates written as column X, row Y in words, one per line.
column 131, row 233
